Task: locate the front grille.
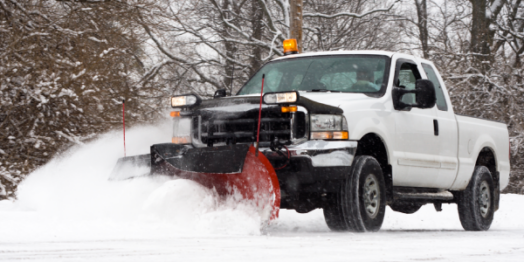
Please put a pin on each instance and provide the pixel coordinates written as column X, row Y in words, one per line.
column 213, row 131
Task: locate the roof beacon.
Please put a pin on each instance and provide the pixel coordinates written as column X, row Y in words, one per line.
column 290, row 47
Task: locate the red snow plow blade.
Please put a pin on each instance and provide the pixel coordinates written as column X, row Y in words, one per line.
column 233, row 171
column 257, row 182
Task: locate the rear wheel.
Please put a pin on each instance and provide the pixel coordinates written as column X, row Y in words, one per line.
column 476, row 203
column 361, row 203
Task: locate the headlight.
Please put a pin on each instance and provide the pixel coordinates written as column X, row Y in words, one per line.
column 329, row 127
column 185, row 100
column 181, row 130
column 328, row 123
column 280, row 98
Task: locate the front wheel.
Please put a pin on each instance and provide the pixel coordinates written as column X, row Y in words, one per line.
column 361, row 203
column 364, row 196
column 476, row 203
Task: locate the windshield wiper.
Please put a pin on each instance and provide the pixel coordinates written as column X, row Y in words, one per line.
column 323, row 90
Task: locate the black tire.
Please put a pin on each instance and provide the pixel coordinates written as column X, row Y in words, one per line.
column 347, row 211
column 364, row 211
column 333, row 214
column 405, row 207
column 476, row 203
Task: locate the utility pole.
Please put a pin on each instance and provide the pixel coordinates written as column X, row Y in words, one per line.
column 295, row 30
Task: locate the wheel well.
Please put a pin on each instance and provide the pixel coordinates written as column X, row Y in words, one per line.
column 373, row 145
column 487, row 158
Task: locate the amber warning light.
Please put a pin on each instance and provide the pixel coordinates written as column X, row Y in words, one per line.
column 290, row 47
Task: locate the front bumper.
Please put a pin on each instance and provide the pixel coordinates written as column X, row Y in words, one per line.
column 326, row 153
column 322, row 153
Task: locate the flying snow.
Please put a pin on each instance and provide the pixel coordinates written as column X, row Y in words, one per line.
column 74, row 189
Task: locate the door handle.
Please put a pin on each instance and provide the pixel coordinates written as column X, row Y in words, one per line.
column 435, row 126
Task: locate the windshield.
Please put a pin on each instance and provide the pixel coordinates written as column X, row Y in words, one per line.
column 345, row 73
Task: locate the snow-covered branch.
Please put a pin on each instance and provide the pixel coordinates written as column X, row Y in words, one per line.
column 353, row 15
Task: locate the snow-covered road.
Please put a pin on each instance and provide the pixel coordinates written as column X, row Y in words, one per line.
column 424, row 236
column 68, row 211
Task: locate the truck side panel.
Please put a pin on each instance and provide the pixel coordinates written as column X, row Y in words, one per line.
column 474, row 135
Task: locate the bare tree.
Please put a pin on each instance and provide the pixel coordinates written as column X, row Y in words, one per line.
column 65, row 68
column 342, row 25
column 229, row 40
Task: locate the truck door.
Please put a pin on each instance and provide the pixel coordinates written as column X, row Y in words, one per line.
column 416, row 145
column 447, row 129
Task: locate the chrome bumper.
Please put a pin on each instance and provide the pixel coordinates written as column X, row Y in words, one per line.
column 322, row 153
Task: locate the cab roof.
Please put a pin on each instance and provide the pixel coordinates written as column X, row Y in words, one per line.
column 359, row 52
column 356, row 52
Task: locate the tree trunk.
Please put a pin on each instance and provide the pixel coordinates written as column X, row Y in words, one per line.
column 480, row 34
column 422, row 24
column 483, row 13
column 295, row 30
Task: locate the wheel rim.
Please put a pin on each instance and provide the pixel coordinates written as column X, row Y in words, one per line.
column 371, row 196
column 484, row 199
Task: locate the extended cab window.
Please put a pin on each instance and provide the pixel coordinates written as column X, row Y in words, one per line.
column 341, row 73
column 432, row 76
column 407, row 76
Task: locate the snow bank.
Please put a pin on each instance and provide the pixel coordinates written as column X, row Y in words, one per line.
column 73, row 197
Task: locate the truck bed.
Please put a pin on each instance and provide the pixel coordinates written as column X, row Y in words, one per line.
column 475, row 135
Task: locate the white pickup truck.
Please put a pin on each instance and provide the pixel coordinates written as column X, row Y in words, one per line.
column 367, row 129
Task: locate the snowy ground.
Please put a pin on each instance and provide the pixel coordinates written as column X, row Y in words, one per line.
column 68, row 211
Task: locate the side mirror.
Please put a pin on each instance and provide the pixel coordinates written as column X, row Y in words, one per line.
column 220, row 93
column 426, row 97
column 424, row 93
